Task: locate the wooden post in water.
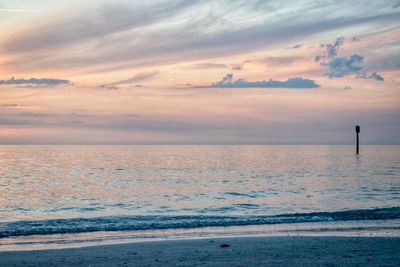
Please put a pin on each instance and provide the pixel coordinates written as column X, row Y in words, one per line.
column 358, row 142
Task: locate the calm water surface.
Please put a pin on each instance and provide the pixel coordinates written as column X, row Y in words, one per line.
column 53, row 182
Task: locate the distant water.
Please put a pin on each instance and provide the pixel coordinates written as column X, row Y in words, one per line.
column 70, row 189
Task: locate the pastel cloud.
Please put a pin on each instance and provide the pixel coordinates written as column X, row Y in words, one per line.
column 296, row 82
column 343, row 66
column 143, row 76
column 125, row 35
column 105, row 20
column 376, row 76
column 34, row 81
column 295, row 46
column 209, row 65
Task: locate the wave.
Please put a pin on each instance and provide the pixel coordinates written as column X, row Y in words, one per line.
column 154, row 222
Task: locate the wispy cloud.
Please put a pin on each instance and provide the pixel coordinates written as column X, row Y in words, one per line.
column 228, row 82
column 19, row 10
column 295, row 46
column 140, row 77
column 274, row 61
column 240, row 66
column 371, row 75
column 34, row 81
column 9, row 105
column 126, row 35
column 209, row 66
column 108, row 87
column 103, row 21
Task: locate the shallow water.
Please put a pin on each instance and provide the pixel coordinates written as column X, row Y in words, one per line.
column 364, row 228
column 58, row 182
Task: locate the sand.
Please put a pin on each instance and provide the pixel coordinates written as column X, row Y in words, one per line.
column 243, row 251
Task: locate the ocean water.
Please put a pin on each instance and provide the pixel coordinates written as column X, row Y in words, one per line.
column 79, row 189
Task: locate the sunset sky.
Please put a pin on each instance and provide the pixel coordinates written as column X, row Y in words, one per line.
column 199, row 72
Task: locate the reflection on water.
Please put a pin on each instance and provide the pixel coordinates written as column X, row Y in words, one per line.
column 41, row 182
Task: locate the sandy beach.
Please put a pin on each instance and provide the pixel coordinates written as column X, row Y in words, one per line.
column 244, row 251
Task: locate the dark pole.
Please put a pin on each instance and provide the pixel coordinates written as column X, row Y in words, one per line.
column 358, row 142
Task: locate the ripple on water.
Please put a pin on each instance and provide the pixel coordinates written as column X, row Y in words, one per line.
column 237, row 194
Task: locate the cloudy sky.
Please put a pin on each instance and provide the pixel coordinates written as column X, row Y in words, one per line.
column 199, row 72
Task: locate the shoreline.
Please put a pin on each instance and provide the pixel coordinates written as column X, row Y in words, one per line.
column 230, row 251
column 368, row 228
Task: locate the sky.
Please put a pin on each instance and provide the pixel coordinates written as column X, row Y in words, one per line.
column 199, row 72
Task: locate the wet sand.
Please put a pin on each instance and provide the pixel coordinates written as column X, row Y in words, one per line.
column 243, row 251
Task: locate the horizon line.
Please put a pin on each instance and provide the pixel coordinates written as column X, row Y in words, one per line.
column 196, row 144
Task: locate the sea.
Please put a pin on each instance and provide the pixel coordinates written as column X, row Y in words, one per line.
column 76, row 195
